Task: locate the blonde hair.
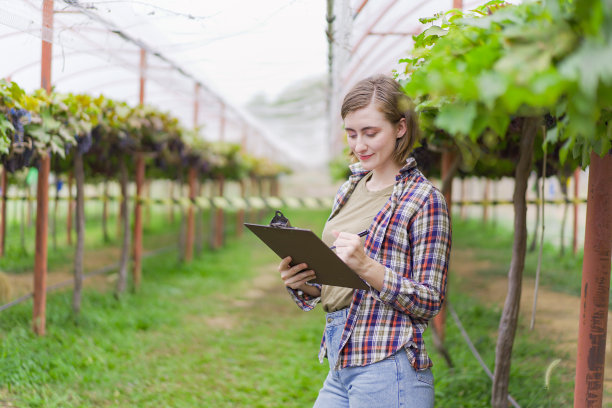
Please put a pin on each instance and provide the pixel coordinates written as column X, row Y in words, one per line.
column 394, row 104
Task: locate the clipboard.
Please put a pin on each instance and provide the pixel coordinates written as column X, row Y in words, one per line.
column 304, row 246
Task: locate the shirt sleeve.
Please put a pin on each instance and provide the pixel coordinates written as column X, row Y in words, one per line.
column 420, row 291
column 304, row 300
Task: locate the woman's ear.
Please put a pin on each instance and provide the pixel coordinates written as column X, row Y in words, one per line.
column 402, row 128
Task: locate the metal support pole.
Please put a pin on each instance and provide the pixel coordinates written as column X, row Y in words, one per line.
column 592, row 329
column 42, row 198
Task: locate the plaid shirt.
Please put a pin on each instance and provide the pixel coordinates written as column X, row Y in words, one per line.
column 411, row 237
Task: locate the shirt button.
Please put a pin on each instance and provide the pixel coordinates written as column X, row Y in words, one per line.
column 329, row 320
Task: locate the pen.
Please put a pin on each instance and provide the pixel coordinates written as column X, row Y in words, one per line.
column 361, row 234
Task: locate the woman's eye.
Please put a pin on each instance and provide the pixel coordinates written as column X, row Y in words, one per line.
column 371, row 134
column 351, row 135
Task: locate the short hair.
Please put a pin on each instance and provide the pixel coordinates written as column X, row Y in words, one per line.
column 394, row 104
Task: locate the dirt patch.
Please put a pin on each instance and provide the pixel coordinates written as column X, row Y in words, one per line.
column 23, row 283
column 557, row 314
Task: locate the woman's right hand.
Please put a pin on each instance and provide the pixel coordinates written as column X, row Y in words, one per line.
column 295, row 277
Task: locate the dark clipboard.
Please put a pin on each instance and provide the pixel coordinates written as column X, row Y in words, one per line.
column 303, row 245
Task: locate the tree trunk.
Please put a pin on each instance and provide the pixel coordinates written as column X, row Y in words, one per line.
column 80, row 234
column 105, row 212
column 509, row 318
column 125, row 219
column 55, row 209
column 534, row 237
column 183, row 228
column 69, row 217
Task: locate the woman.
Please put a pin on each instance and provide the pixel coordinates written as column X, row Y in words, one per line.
column 374, row 339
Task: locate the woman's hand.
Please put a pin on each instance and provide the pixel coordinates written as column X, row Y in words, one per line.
column 295, row 277
column 350, row 250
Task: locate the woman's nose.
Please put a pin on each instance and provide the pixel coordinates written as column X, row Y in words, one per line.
column 360, row 146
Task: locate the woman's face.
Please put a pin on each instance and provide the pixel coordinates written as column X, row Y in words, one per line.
column 371, row 137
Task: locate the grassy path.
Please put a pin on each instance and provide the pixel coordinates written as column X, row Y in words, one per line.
column 221, row 332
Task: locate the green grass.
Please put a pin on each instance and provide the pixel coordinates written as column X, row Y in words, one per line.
column 206, row 335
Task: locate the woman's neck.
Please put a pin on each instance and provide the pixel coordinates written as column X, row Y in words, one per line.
column 382, row 178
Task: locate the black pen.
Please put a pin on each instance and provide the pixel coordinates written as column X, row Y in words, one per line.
column 361, row 234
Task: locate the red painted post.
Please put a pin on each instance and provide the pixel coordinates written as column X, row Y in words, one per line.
column 42, row 197
column 140, row 178
column 592, row 329
column 143, row 67
column 576, row 206
column 191, row 179
column 4, row 188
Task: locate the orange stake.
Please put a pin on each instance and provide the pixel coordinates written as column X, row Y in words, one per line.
column 42, row 197
column 592, row 329
column 140, row 178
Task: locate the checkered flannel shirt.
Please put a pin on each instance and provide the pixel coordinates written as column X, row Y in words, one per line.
column 411, row 237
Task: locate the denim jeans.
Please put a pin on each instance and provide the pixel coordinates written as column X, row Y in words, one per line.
column 389, row 383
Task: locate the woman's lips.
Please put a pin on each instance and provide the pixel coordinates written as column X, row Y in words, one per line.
column 366, row 157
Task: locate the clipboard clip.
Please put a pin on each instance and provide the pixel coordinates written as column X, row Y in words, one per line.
column 280, row 221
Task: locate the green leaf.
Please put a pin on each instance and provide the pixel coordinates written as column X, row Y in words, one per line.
column 435, row 30
column 456, row 118
column 491, row 85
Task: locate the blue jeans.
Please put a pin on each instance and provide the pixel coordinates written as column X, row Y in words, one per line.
column 389, row 383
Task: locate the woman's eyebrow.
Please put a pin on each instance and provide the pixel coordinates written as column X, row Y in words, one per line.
column 364, row 128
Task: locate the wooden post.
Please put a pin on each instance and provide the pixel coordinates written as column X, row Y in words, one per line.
column 42, row 197
column 137, row 254
column 4, row 188
column 592, row 329
column 190, row 215
column 576, row 207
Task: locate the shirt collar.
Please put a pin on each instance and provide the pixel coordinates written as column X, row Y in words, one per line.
column 358, row 171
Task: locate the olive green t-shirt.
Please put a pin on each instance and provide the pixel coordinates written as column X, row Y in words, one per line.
column 355, row 216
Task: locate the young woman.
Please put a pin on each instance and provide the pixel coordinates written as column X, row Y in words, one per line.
column 373, row 338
